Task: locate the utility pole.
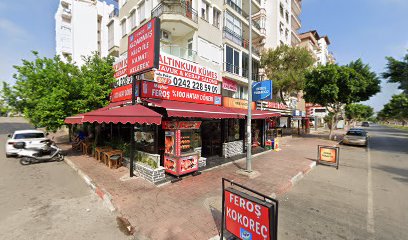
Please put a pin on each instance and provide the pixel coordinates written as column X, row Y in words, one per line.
column 132, row 129
column 249, row 117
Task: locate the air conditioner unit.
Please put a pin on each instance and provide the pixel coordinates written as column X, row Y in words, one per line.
column 165, row 36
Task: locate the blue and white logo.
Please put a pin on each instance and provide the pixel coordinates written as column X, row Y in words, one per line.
column 244, row 234
column 149, row 25
column 131, row 37
column 217, row 100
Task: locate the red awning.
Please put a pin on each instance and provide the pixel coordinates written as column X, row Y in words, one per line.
column 257, row 114
column 77, row 119
column 186, row 110
column 128, row 114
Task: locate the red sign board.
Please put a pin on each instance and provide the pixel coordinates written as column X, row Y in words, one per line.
column 229, row 85
column 247, row 217
column 181, row 124
column 168, row 92
column 144, row 47
column 277, row 105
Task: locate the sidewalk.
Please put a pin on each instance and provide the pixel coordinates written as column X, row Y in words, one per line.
column 191, row 208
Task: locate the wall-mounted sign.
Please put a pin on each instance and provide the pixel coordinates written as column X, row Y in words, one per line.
column 328, row 155
column 168, row 92
column 277, row 105
column 144, row 48
column 230, row 85
column 247, row 217
column 236, row 103
column 262, row 90
column 181, row 124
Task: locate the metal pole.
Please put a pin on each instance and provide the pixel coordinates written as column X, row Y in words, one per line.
column 132, row 128
column 249, row 118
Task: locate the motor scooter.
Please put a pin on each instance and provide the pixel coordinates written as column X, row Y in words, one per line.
column 47, row 153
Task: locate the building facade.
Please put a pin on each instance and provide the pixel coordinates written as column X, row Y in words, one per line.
column 318, row 46
column 81, row 28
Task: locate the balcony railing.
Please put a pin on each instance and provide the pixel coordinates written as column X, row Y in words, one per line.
column 179, row 9
column 237, row 8
column 242, row 72
column 231, row 35
column 180, row 52
column 256, row 25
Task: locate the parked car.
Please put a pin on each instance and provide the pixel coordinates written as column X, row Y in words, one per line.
column 356, row 137
column 32, row 139
column 365, row 124
column 358, row 129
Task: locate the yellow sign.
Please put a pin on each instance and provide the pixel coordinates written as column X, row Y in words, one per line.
column 236, row 103
column 328, row 155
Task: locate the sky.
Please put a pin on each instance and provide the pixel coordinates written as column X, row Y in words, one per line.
column 366, row 29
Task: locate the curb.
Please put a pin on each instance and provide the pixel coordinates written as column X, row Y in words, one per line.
column 289, row 184
column 101, row 193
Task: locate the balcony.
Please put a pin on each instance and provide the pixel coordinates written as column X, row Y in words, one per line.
column 237, row 8
column 66, row 13
column 296, row 23
column 231, row 35
column 239, row 72
column 184, row 16
column 181, row 52
column 295, row 40
column 296, row 8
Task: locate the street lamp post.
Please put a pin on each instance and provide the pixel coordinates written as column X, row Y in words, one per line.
column 249, row 118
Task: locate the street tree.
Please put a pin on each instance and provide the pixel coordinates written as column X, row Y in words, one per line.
column 397, row 72
column 47, row 90
column 287, row 67
column 358, row 112
column 334, row 86
column 371, row 80
column 396, row 109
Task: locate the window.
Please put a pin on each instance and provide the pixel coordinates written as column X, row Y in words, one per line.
column 216, row 18
column 132, row 19
column 286, row 34
column 281, row 9
column 233, row 130
column 232, row 60
column 234, row 28
column 141, row 12
column 111, row 35
column 190, row 48
column 281, row 28
column 287, row 16
column 123, row 25
column 205, row 8
column 245, row 64
column 28, row 135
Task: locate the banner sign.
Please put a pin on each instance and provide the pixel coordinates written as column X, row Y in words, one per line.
column 276, row 105
column 123, row 93
column 230, row 85
column 236, row 103
column 181, row 124
column 248, row 215
column 168, row 92
column 262, row 90
column 144, row 47
column 327, row 155
column 122, row 88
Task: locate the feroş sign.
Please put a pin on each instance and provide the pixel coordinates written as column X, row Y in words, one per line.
column 182, row 73
column 168, row 92
column 144, row 48
column 247, row 217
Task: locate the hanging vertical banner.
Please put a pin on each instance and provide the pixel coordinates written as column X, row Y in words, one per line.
column 144, row 48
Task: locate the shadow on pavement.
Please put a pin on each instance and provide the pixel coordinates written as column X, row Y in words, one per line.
column 402, row 174
column 217, row 216
column 9, row 128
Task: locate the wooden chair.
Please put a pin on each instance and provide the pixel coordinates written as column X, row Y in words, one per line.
column 86, row 148
column 99, row 150
column 107, row 157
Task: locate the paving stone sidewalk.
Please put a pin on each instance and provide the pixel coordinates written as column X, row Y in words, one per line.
column 191, row 208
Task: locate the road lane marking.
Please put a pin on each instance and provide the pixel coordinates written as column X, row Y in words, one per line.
column 370, row 204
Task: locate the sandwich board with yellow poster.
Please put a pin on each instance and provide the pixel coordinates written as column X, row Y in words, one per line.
column 328, row 155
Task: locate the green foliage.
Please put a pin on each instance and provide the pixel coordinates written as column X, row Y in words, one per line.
column 358, row 112
column 48, row 90
column 286, row 66
column 371, row 84
column 395, row 109
column 397, row 72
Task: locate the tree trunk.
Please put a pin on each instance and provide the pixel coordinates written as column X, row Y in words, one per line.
column 331, row 127
column 281, row 96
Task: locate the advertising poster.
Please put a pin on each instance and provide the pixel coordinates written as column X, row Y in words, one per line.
column 178, row 72
column 236, row 103
column 247, row 217
column 170, row 164
column 144, row 47
column 230, row 85
column 168, row 92
column 169, row 142
column 188, row 164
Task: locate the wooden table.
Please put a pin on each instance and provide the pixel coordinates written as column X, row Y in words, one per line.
column 99, row 150
column 107, row 155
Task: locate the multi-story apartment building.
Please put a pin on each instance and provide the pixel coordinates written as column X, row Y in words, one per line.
column 282, row 22
column 318, row 46
column 81, row 28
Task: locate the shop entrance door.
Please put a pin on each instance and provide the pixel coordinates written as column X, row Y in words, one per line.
column 211, row 138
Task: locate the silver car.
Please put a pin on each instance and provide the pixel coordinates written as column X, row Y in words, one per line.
column 356, row 137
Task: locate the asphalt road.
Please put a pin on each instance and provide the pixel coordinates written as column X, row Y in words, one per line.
column 48, row 200
column 367, row 198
